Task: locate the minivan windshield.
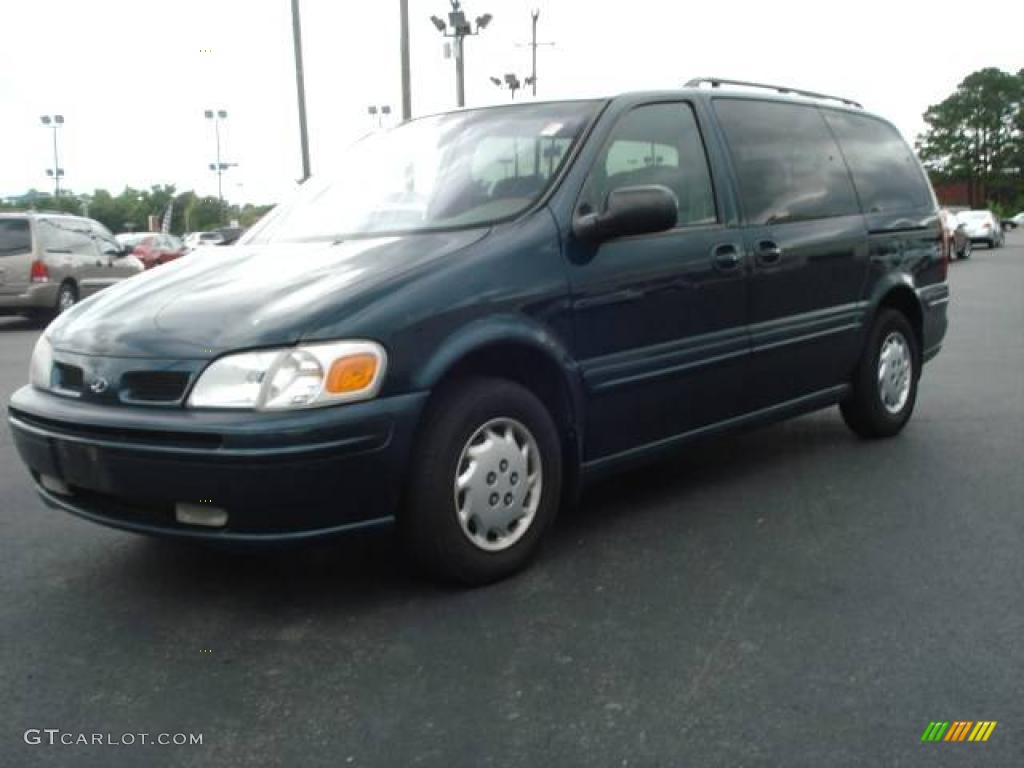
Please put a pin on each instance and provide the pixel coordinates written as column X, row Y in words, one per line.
column 463, row 169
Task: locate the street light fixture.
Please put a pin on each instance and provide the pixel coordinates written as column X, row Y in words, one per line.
column 380, row 112
column 459, row 28
column 511, row 82
column 55, row 122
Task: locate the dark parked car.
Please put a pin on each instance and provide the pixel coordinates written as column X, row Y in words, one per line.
column 488, row 308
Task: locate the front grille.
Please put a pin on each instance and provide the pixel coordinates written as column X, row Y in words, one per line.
column 154, row 386
column 68, row 377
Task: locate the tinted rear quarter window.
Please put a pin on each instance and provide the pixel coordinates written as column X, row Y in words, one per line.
column 787, row 162
column 885, row 171
column 15, row 237
column 65, row 236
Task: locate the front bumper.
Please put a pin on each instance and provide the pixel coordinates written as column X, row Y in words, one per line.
column 278, row 476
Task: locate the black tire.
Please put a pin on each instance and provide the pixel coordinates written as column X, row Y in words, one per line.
column 863, row 410
column 966, row 253
column 429, row 521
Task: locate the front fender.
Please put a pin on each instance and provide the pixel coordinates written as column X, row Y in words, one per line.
column 493, row 331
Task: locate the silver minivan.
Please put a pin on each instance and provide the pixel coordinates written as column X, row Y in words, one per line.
column 49, row 262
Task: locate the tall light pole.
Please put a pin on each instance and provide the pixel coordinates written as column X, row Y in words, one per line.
column 403, row 13
column 300, row 87
column 220, row 166
column 458, row 28
column 54, row 121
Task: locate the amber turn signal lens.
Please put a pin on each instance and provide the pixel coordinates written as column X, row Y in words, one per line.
column 351, row 374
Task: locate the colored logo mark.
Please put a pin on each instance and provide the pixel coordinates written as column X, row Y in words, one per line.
column 959, row 730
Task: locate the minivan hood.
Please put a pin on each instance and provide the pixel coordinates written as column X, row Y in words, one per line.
column 219, row 299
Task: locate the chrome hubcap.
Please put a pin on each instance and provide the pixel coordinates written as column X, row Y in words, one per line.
column 66, row 300
column 894, row 371
column 498, row 484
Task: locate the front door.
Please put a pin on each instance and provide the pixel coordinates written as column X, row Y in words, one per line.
column 660, row 319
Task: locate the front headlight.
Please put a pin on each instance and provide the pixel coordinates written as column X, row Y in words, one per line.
column 307, row 376
column 40, row 370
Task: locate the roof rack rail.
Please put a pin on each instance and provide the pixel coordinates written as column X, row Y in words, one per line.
column 716, row 82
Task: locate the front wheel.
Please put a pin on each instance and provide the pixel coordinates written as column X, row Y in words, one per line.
column 885, row 382
column 486, row 481
column 966, row 252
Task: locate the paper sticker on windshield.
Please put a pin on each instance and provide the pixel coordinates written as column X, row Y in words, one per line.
column 551, row 129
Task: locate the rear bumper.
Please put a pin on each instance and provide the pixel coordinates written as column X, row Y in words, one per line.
column 37, row 296
column 934, row 303
column 278, row 476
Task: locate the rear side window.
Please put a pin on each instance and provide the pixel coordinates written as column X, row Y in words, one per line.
column 15, row 237
column 656, row 144
column 65, row 236
column 887, row 175
column 787, row 163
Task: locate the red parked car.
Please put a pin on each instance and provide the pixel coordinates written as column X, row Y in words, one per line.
column 153, row 248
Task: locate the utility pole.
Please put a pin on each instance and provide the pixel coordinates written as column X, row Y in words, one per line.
column 460, row 30
column 403, row 10
column 300, row 87
column 533, row 44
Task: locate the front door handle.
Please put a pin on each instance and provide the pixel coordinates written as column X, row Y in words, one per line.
column 768, row 253
column 726, row 257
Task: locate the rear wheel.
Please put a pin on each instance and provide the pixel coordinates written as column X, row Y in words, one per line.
column 885, row 383
column 67, row 297
column 485, row 484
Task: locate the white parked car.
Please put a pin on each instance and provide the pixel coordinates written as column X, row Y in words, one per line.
column 982, row 227
column 195, row 239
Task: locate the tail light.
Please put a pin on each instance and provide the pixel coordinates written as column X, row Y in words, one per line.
column 39, row 273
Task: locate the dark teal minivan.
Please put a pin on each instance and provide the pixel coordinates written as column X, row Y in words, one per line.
column 482, row 310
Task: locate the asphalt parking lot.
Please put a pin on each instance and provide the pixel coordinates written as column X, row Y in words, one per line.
column 791, row 596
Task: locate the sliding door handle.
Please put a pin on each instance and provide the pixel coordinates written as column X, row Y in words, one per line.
column 768, row 253
column 727, row 257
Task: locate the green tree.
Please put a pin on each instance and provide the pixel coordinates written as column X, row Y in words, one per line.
column 975, row 135
column 130, row 210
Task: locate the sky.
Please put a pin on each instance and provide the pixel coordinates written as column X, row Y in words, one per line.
column 133, row 77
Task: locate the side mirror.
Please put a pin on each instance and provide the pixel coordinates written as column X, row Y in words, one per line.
column 628, row 211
